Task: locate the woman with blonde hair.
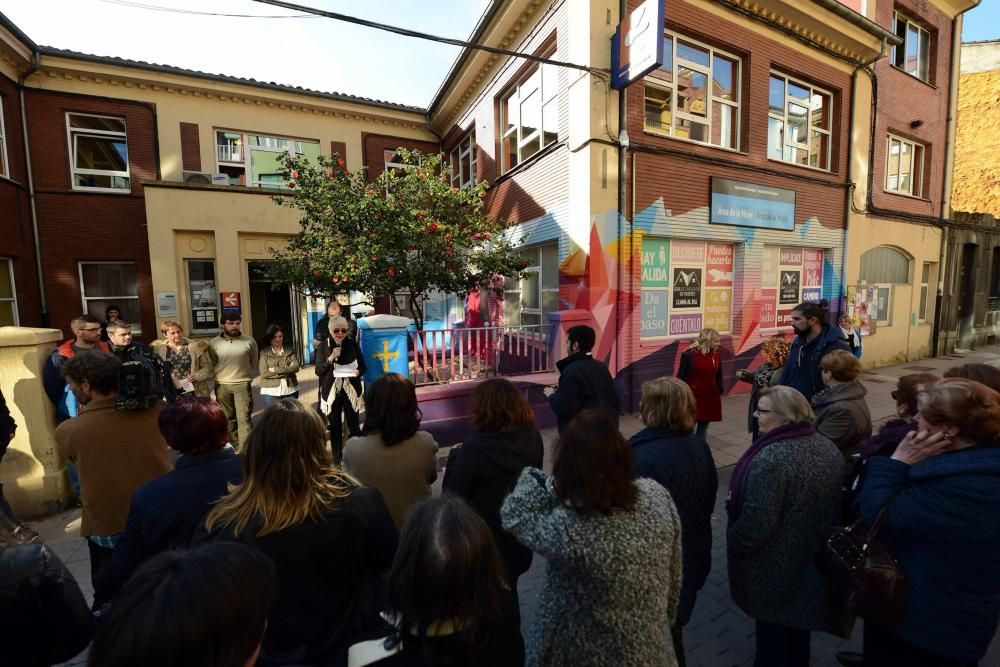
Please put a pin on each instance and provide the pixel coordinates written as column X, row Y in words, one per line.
column 768, row 374
column 784, row 497
column 701, row 368
column 668, row 452
column 192, row 362
column 330, row 538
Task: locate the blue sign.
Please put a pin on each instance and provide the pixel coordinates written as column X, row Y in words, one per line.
column 637, row 46
column 385, row 352
column 751, row 205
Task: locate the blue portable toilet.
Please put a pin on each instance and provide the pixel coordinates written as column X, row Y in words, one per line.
column 384, row 342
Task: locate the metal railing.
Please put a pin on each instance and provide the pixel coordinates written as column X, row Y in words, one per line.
column 446, row 355
column 229, row 152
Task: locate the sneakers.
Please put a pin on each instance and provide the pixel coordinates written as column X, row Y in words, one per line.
column 24, row 535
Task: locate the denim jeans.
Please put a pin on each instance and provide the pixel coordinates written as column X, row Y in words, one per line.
column 268, row 401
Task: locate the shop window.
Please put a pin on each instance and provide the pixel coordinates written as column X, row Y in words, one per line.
column 904, row 167
column 789, row 276
column 463, row 162
column 882, row 268
column 694, row 95
column 686, row 286
column 8, row 295
column 529, row 300
column 798, row 123
column 913, row 56
column 3, row 144
column 104, row 284
column 529, row 115
column 98, row 152
column 203, row 296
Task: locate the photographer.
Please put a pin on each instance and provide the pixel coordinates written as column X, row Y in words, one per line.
column 115, row 451
column 127, row 349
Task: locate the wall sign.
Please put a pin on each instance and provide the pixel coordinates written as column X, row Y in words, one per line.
column 751, row 205
column 789, row 276
column 719, row 265
column 637, row 45
column 788, row 290
column 687, row 288
column 231, row 301
column 166, row 304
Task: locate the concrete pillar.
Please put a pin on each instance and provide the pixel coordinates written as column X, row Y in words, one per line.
column 33, row 474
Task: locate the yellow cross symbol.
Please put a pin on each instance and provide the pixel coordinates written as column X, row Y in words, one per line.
column 385, row 355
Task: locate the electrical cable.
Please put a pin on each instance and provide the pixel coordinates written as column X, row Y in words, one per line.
column 195, row 12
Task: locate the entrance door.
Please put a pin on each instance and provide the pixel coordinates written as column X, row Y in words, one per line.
column 271, row 304
column 967, row 301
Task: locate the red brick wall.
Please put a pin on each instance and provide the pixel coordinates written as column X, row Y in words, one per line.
column 903, row 98
column 190, row 147
column 373, row 145
column 88, row 226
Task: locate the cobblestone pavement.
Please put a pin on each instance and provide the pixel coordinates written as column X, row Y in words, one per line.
column 719, row 634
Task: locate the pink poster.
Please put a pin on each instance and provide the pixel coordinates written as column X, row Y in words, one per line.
column 768, row 308
column 687, row 252
column 719, row 265
column 785, row 318
column 685, row 324
column 812, row 268
column 790, row 257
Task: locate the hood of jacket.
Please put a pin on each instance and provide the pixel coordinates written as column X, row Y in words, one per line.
column 576, row 356
column 510, row 450
column 847, row 391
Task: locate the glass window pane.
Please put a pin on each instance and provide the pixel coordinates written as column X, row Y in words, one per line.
column 925, row 55
column 723, row 125
column 531, row 114
column 899, row 52
column 550, row 302
column 925, row 273
column 110, row 280
column 6, row 288
column 512, row 308
column 550, row 81
column 658, row 109
column 101, row 181
column 667, row 68
column 7, row 314
column 820, row 105
column 923, row 302
column 796, row 155
column 775, row 133
column 693, row 53
column 883, row 304
column 511, row 117
column 686, row 129
column 550, row 266
column 776, row 96
column 723, row 73
column 530, row 148
column 912, row 47
column 95, row 123
column 917, row 173
column 530, row 290
column 819, row 150
column 3, row 167
column 550, row 122
column 691, row 92
column 510, row 152
column 905, row 157
column 798, row 124
column 799, row 93
column 129, row 309
column 104, row 153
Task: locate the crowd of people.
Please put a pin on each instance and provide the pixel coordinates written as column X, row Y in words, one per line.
column 214, row 541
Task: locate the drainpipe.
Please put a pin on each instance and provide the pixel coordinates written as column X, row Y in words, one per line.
column 622, row 157
column 31, row 186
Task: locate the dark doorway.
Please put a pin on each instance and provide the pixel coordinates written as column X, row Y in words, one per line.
column 967, row 298
column 270, row 304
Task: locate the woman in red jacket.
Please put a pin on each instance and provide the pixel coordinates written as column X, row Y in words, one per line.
column 701, row 368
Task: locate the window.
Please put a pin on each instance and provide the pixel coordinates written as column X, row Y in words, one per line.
column 8, row 297
column 993, row 302
column 798, row 123
column 529, row 115
column 881, row 269
column 252, row 159
column 104, row 284
column 904, row 167
column 925, row 279
column 203, row 296
column 913, row 56
column 98, row 152
column 529, row 300
column 3, row 144
column 463, row 162
column 694, row 95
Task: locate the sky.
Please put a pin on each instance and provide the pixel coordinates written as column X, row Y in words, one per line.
column 317, row 53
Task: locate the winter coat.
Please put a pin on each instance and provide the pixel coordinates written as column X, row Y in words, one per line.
column 842, row 415
column 584, row 382
column 802, row 370
column 46, row 619
column 853, row 341
column 944, row 530
column 883, row 443
column 484, row 471
column 285, row 366
column 611, row 582
column 202, row 363
column 703, row 373
column 766, row 375
column 55, row 384
column 683, row 464
column 789, row 500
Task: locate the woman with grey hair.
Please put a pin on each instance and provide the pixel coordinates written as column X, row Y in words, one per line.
column 339, row 366
column 784, row 496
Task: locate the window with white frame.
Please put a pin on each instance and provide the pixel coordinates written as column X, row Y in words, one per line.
column 104, row 284
column 3, row 144
column 925, row 279
column 913, row 56
column 904, row 167
column 203, row 295
column 694, row 95
column 8, row 295
column 529, row 115
column 884, row 267
column 798, row 123
column 528, row 300
column 463, row 162
column 98, row 151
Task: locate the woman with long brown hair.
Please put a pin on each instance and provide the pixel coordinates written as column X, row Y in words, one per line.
column 330, row 538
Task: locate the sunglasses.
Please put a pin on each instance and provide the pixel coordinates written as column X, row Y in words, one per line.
column 339, row 330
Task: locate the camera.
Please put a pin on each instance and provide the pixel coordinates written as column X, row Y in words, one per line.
column 143, row 381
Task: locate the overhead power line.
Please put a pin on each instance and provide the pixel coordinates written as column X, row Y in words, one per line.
column 196, row 12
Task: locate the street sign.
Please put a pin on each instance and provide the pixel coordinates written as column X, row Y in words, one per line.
column 637, row 46
column 231, row 301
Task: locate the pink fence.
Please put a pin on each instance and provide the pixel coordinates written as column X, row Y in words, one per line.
column 465, row 354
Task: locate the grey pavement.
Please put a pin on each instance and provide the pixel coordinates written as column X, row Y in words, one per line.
column 719, row 634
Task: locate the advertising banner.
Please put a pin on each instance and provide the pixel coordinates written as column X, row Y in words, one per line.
column 685, row 324
column 788, row 288
column 687, row 288
column 654, row 314
column 691, row 252
column 768, row 308
column 655, row 262
column 751, row 205
column 812, row 268
column 719, row 265
column 637, row 45
column 718, row 309
column 790, row 257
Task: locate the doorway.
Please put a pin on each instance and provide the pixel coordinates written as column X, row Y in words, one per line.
column 967, row 298
column 271, row 304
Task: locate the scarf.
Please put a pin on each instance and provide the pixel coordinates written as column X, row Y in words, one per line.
column 785, row 432
column 341, row 384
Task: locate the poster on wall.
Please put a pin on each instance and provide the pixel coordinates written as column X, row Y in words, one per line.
column 768, row 308
column 655, row 263
column 789, row 276
column 862, row 307
column 788, row 287
column 687, row 288
column 718, row 308
column 687, row 252
column 719, row 265
column 654, row 314
column 685, row 323
column 812, row 267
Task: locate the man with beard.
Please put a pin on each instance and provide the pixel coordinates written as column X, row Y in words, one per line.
column 237, row 363
column 116, row 452
column 814, row 338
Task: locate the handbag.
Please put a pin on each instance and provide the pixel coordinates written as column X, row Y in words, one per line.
column 866, row 578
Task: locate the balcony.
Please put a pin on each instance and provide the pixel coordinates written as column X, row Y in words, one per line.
column 229, row 153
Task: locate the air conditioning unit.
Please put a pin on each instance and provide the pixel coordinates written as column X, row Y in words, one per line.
column 205, row 178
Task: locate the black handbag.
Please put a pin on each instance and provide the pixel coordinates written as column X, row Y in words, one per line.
column 867, row 580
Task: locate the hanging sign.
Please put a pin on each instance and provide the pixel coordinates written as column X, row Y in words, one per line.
column 637, row 46
column 752, row 205
column 231, row 301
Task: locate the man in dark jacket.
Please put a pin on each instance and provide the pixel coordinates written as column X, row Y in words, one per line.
column 584, row 382
column 815, row 337
column 87, row 332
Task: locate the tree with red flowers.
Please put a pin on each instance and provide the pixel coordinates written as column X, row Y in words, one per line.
column 408, row 231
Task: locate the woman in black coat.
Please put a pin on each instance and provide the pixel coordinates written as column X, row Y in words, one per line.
column 485, row 468
column 768, row 374
column 339, row 366
column 668, row 452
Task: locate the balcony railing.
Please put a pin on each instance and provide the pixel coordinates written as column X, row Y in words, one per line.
column 466, row 354
column 229, row 152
